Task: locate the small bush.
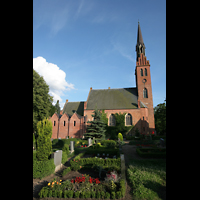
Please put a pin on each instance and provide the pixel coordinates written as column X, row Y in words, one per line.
column 93, row 194
column 120, row 136
column 65, row 171
column 76, row 194
column 118, row 195
column 102, row 194
column 107, row 195
column 113, row 195
column 98, row 195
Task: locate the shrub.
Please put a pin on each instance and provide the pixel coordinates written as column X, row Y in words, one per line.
column 107, row 195
column 102, row 194
column 43, row 168
column 120, row 137
column 118, row 195
column 113, row 195
column 64, row 157
column 98, row 195
column 122, row 187
column 44, row 145
column 76, row 194
column 87, row 194
column 60, row 193
column 93, row 194
column 65, row 171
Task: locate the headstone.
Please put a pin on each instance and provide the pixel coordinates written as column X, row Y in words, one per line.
column 72, row 146
column 162, row 142
column 150, row 137
column 57, row 157
column 89, row 141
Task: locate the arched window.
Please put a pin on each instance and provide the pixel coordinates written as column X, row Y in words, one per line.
column 145, row 93
column 145, row 71
column 141, row 72
column 128, row 119
column 112, row 120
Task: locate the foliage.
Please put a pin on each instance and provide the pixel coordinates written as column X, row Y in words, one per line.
column 147, row 177
column 96, row 128
column 109, row 143
column 43, row 168
column 77, row 163
column 42, row 101
column 151, row 152
column 57, row 106
column 44, row 145
column 160, row 118
column 120, row 137
column 65, row 171
column 119, row 127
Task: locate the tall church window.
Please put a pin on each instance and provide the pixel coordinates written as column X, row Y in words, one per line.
column 145, row 93
column 141, row 72
column 112, row 120
column 145, row 71
column 128, row 119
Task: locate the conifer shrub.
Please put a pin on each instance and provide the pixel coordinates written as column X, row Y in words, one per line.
column 44, row 144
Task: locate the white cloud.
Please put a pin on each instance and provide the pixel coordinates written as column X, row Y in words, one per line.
column 54, row 77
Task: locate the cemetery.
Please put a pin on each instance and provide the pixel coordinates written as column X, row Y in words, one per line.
column 91, row 168
column 93, row 173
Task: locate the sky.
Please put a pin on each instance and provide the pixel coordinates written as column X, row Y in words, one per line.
column 78, row 44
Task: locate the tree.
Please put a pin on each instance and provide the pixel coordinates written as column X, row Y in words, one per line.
column 44, row 144
column 160, row 118
column 96, row 128
column 57, row 106
column 42, row 101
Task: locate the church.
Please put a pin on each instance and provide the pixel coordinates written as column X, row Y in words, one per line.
column 136, row 102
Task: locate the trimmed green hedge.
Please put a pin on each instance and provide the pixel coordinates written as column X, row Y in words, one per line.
column 43, row 168
column 78, row 162
column 111, row 151
column 151, row 152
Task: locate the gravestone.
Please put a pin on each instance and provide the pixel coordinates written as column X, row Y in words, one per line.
column 71, row 146
column 162, row 142
column 89, row 141
column 57, row 156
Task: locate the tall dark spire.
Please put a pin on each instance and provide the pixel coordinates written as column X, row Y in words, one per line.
column 140, row 47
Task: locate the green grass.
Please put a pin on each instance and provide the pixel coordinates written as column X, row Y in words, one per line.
column 148, row 179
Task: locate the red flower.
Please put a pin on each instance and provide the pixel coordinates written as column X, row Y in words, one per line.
column 85, row 145
column 72, row 181
column 152, row 132
column 82, row 146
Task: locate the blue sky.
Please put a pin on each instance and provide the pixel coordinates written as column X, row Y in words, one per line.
column 78, row 44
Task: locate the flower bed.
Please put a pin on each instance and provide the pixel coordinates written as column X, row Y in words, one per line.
column 109, row 184
column 86, row 187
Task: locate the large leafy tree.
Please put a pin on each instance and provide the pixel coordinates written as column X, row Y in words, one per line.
column 160, row 118
column 42, row 101
column 96, row 128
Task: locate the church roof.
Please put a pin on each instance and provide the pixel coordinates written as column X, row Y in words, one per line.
column 122, row 98
column 70, row 108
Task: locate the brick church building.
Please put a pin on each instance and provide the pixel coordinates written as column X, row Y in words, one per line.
column 136, row 102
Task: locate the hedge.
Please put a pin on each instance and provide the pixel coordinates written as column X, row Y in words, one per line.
column 151, row 152
column 78, row 162
column 43, row 168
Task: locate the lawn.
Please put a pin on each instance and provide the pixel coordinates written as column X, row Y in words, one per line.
column 148, row 179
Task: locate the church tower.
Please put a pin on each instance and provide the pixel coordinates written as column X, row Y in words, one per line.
column 143, row 79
